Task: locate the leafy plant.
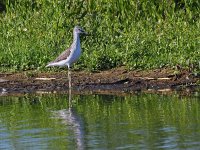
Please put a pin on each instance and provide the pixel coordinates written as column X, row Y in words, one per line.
column 138, row 34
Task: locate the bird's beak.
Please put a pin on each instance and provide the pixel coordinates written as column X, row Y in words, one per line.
column 86, row 34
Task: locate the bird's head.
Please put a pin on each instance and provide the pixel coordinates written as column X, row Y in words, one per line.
column 79, row 30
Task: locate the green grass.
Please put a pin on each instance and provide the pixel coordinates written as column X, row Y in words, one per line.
column 138, row 34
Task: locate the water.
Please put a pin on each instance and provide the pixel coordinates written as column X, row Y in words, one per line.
column 146, row 121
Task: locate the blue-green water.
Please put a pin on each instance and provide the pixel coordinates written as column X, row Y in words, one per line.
column 146, row 121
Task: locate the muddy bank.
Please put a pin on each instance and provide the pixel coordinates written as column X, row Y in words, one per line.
column 118, row 80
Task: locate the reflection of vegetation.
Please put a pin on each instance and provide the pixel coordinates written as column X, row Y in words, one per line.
column 142, row 119
column 133, row 119
column 31, row 117
column 138, row 34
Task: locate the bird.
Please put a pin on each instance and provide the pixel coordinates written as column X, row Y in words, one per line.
column 72, row 54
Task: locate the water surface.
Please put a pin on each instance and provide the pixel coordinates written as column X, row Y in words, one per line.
column 144, row 121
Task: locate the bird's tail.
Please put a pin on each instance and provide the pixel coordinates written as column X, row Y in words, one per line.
column 50, row 65
column 61, row 63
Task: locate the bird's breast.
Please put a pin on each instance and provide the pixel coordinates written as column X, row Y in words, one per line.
column 75, row 54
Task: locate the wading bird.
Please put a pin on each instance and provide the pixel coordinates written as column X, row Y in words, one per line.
column 70, row 55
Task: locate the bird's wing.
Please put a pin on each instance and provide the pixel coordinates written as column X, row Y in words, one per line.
column 63, row 55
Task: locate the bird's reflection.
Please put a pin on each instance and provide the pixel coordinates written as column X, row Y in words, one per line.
column 74, row 121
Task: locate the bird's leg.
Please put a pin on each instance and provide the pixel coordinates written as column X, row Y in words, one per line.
column 70, row 87
column 69, row 77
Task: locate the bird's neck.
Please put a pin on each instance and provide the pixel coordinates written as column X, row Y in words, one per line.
column 76, row 40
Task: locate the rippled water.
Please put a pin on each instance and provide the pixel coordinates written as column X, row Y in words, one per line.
column 146, row 121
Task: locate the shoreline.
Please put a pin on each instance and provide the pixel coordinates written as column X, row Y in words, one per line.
column 115, row 81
